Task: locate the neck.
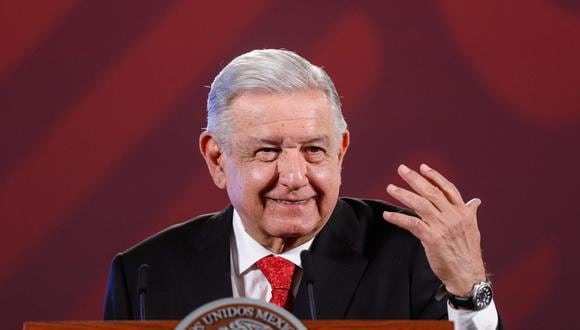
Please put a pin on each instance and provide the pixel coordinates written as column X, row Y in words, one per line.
column 281, row 244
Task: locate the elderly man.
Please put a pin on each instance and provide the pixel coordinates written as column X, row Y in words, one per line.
column 275, row 142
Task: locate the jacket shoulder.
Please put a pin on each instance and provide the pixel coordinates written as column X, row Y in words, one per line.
column 364, row 222
column 182, row 238
column 369, row 212
column 372, row 206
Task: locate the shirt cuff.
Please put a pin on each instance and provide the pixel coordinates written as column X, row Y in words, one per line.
column 467, row 320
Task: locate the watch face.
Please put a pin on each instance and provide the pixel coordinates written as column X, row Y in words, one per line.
column 482, row 298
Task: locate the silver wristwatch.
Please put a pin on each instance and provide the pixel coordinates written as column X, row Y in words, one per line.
column 478, row 299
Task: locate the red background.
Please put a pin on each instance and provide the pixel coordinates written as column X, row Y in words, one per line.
column 102, row 102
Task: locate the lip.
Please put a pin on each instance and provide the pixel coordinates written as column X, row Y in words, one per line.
column 290, row 201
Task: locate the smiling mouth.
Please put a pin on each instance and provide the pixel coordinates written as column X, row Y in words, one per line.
column 291, row 202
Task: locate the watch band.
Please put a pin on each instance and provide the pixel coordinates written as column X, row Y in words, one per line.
column 479, row 298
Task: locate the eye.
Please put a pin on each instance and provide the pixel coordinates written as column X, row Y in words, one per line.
column 314, row 149
column 267, row 154
column 314, row 153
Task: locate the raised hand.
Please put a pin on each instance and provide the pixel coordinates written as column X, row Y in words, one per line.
column 447, row 227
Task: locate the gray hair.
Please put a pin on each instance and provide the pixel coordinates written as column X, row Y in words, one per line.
column 265, row 70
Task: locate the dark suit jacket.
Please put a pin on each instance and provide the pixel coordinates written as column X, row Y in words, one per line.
column 365, row 268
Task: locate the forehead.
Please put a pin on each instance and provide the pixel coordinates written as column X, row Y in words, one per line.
column 294, row 112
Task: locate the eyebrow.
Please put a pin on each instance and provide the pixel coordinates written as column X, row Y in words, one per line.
column 319, row 139
column 255, row 140
column 277, row 141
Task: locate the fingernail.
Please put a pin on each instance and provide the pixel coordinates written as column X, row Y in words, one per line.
column 404, row 168
column 425, row 167
column 391, row 188
column 387, row 215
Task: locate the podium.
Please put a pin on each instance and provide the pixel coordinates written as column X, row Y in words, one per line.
column 167, row 325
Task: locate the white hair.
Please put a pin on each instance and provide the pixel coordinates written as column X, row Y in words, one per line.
column 265, row 70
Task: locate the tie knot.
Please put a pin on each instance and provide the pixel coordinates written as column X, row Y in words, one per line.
column 278, row 271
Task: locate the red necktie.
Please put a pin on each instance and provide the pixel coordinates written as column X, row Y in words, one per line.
column 278, row 272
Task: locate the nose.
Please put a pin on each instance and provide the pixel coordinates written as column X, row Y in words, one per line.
column 292, row 170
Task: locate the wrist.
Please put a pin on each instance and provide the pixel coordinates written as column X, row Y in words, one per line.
column 463, row 287
column 478, row 298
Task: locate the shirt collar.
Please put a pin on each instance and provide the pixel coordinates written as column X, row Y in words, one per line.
column 249, row 251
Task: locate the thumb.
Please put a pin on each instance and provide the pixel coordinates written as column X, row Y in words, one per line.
column 474, row 204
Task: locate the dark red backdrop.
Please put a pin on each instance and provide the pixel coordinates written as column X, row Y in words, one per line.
column 102, row 101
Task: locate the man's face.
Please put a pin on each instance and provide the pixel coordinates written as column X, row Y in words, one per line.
column 282, row 171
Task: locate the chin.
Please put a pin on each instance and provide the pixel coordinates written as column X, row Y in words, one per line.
column 294, row 230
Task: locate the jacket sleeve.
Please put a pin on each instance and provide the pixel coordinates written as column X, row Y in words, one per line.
column 424, row 287
column 117, row 302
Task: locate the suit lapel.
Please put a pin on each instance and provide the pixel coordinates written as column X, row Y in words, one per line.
column 206, row 277
column 336, row 255
column 338, row 266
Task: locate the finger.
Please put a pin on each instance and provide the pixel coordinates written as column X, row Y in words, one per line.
column 474, row 204
column 420, row 205
column 423, row 187
column 414, row 225
column 448, row 188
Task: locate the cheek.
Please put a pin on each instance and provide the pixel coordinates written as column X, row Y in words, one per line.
column 325, row 178
column 258, row 179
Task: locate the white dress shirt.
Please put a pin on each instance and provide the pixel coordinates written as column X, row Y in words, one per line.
column 248, row 280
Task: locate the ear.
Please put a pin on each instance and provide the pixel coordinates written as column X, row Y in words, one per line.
column 213, row 155
column 344, row 143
